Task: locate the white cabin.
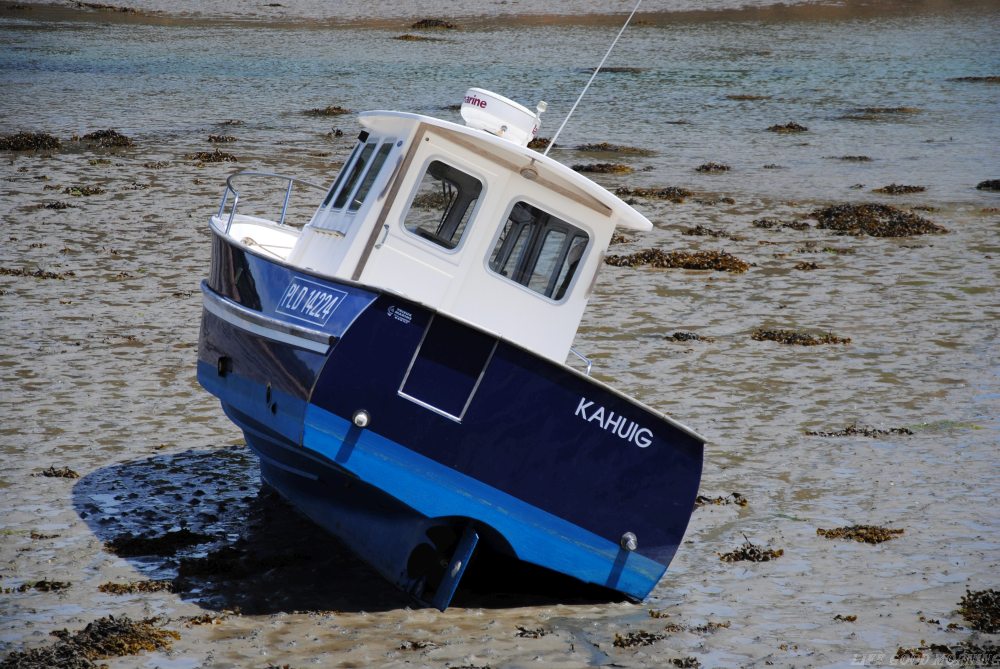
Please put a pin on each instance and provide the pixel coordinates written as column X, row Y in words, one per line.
column 472, row 224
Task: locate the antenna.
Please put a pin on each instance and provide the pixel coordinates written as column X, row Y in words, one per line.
column 552, row 142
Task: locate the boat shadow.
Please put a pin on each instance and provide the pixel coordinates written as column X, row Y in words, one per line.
column 202, row 520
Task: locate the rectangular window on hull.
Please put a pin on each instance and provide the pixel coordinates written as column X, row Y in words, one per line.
column 538, row 250
column 443, row 205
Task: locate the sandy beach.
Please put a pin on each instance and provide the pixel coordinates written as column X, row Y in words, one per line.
column 105, row 433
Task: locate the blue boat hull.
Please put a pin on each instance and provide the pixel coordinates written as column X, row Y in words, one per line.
column 467, row 442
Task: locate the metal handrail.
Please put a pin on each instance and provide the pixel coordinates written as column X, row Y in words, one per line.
column 585, row 359
column 230, row 188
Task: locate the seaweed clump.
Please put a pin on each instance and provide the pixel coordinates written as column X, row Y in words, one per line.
column 719, row 261
column 604, row 168
column 410, row 37
column 866, row 534
column 965, row 654
column 875, row 220
column 101, row 639
column 330, row 110
column 108, row 139
column 899, row 189
column 853, row 430
column 982, row 610
column 221, row 139
column 672, row 193
column 636, row 639
column 688, row 336
column 537, row 143
column 216, row 156
column 433, row 24
column 793, row 338
column 59, row 472
column 773, row 223
column 732, row 498
column 134, row 587
column 37, row 274
column 606, row 147
column 29, row 141
column 787, row 128
column 991, row 79
column 751, row 552
column 712, row 167
column 989, row 184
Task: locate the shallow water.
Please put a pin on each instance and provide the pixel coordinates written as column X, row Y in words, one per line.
column 98, row 368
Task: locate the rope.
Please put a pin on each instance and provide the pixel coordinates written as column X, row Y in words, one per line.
column 552, row 142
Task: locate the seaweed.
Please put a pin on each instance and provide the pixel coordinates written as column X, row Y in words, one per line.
column 537, row 143
column 845, row 618
column 134, row 587
column 330, row 110
column 981, row 609
column 965, row 654
column 853, row 430
column 29, row 141
column 791, row 337
column 433, row 24
column 875, row 220
column 37, row 274
column 788, row 128
column 747, row 96
column 44, row 585
column 604, row 168
column 989, row 184
column 732, row 498
column 84, row 191
column 60, row 472
column 751, row 552
column 855, row 159
column 712, row 167
column 768, row 223
column 636, row 639
column 409, row 37
column 672, row 193
column 526, row 633
column 867, row 534
column 101, row 639
column 719, row 261
column 806, row 266
column 216, row 156
column 108, row 139
column 899, row 189
column 605, row 147
column 221, row 139
column 989, row 79
column 703, row 231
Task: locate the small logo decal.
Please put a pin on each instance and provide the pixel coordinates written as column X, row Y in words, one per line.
column 400, row 315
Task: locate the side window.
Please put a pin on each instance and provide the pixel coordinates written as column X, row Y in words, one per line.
column 373, row 172
column 538, row 250
column 443, row 205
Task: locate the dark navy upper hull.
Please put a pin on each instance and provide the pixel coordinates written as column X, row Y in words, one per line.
column 464, row 430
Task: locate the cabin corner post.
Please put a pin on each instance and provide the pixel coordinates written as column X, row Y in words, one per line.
column 389, row 200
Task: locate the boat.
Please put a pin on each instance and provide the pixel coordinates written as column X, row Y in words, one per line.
column 400, row 359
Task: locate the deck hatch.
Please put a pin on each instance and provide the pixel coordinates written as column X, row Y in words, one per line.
column 447, row 367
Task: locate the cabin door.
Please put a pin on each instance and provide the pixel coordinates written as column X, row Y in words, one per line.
column 418, row 249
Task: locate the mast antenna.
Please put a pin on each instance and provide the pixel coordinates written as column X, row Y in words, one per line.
column 552, row 142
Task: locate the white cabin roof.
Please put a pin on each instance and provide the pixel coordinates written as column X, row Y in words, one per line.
column 549, row 170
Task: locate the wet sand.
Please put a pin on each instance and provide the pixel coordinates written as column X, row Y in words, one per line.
column 98, row 376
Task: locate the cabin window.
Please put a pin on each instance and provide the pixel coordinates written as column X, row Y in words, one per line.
column 373, row 172
column 443, row 204
column 538, row 250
